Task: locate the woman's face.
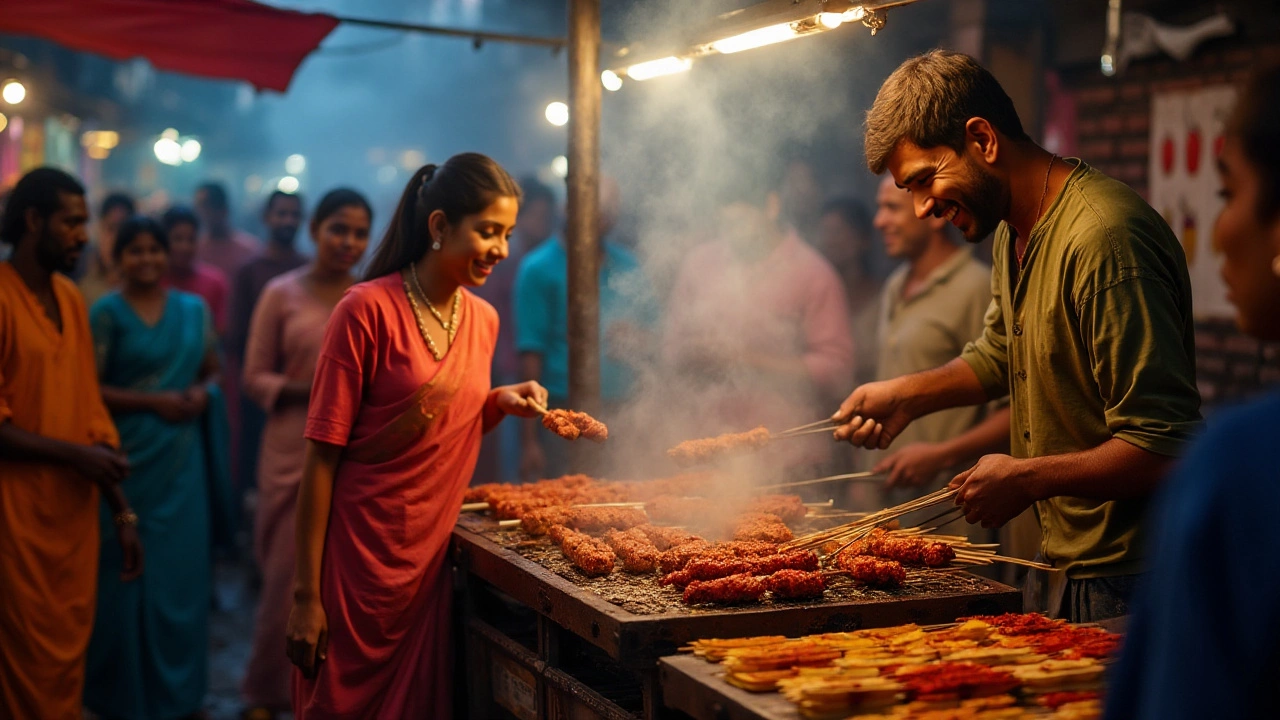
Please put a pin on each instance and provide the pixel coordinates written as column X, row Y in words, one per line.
column 341, row 238
column 1249, row 246
column 144, row 261
column 470, row 249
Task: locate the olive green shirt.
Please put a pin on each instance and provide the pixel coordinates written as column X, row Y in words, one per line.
column 1092, row 340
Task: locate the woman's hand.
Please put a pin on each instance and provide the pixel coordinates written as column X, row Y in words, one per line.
column 307, row 636
column 197, row 397
column 515, row 399
column 131, row 551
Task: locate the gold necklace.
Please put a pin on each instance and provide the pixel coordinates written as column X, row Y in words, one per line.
column 422, row 326
column 450, row 327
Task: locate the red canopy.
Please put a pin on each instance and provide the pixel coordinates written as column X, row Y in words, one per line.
column 236, row 39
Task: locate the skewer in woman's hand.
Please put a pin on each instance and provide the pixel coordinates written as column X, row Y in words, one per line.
column 526, row 400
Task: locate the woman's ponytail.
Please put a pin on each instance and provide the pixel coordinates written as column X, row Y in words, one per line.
column 464, row 185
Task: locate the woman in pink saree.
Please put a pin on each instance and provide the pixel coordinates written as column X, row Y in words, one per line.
column 400, row 399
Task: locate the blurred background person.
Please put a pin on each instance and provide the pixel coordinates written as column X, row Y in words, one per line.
column 96, row 273
column 758, row 325
column 844, row 239
column 188, row 274
column 280, row 361
column 400, row 399
column 57, row 455
column 800, row 195
column 628, row 311
column 931, row 307
column 281, row 216
column 1202, row 639
column 158, row 363
column 221, row 245
column 500, row 449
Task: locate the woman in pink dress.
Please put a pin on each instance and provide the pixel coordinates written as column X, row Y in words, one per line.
column 280, row 363
column 400, row 399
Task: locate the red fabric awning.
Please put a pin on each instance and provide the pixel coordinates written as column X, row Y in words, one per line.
column 234, row 39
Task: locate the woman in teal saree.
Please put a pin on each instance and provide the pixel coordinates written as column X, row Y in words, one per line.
column 156, row 362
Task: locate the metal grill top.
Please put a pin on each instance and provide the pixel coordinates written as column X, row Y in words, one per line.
column 634, row 619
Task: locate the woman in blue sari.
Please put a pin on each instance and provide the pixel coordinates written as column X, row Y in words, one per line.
column 157, row 365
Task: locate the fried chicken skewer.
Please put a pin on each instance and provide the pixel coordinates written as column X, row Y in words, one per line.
column 593, row 557
column 692, row 452
column 571, row 424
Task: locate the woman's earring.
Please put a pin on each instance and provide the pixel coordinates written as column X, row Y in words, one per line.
column 436, row 245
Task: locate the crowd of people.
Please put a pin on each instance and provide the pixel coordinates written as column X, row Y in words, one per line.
column 194, row 364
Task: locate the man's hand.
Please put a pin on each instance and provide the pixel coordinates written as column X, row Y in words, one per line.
column 130, row 551
column 101, row 465
column 994, row 491
column 913, row 465
column 873, row 415
column 519, row 399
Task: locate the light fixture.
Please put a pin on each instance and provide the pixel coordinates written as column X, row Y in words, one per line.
column 190, row 150
column 658, row 68
column 412, row 159
column 13, row 92
column 611, row 81
column 295, row 164
column 169, row 134
column 756, row 38
column 97, row 152
column 560, row 166
column 288, row 184
column 830, row 20
column 767, row 22
column 557, row 114
column 168, row 151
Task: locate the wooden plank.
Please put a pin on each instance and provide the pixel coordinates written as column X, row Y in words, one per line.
column 697, row 688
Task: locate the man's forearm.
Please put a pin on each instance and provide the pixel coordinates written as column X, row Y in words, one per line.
column 952, row 385
column 1114, row 470
column 19, row 445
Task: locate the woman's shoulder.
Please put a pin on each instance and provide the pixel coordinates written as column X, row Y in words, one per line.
column 487, row 312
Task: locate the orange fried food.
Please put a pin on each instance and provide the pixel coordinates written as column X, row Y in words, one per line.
column 873, row 571
column 692, row 452
column 571, row 424
column 586, row 519
column 790, row 508
column 796, row 584
column 730, row 590
column 591, row 556
column 906, row 550
column 632, row 546
column 761, row 526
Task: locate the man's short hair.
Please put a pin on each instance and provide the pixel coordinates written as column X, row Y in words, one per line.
column 117, row 200
column 278, row 195
column 40, row 189
column 929, row 99
column 215, row 195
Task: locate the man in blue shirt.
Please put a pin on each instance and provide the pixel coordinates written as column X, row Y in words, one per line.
column 627, row 311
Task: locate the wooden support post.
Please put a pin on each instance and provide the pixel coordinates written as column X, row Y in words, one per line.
column 582, row 232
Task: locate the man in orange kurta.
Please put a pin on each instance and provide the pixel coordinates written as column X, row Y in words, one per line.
column 56, row 455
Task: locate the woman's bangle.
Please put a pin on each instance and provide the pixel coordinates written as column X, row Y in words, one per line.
column 126, row 517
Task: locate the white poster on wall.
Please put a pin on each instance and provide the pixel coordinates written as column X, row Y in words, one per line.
column 1186, row 137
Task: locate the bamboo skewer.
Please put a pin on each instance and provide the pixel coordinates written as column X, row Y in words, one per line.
column 868, row 476
column 475, row 507
column 821, row 423
column 800, row 433
column 537, row 408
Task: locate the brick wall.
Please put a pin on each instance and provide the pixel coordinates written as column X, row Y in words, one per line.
column 1114, row 116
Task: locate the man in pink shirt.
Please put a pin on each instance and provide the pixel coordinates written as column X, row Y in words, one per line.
column 221, row 245
column 758, row 334
column 188, row 275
